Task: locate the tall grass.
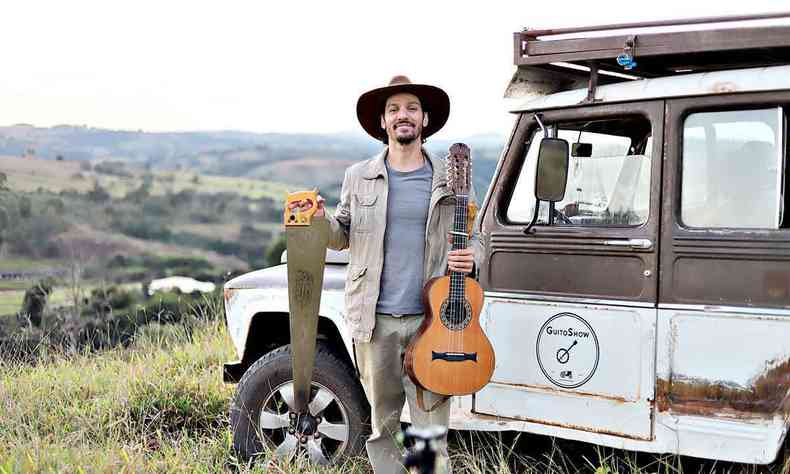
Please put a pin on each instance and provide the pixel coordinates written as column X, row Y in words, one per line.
column 159, row 405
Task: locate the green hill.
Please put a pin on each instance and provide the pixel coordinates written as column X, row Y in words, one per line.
column 115, row 222
column 295, row 159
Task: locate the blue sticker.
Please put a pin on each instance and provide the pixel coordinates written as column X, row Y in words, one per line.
column 626, row 60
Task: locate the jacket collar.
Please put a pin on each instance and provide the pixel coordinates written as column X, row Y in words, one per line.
column 376, row 167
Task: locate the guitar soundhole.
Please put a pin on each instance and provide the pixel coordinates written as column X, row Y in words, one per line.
column 456, row 315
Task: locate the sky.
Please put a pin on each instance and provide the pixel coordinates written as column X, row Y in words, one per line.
column 278, row 65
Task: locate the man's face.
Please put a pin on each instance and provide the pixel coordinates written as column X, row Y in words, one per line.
column 403, row 118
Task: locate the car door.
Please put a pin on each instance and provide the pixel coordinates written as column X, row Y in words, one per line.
column 571, row 305
column 725, row 278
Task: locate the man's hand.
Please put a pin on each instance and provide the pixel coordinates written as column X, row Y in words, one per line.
column 306, row 205
column 462, row 260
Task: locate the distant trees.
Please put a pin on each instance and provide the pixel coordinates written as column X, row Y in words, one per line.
column 275, row 250
column 3, row 181
column 269, row 210
column 56, row 205
column 36, row 236
column 140, row 194
column 113, row 168
column 98, row 193
column 25, row 207
column 35, row 301
column 4, row 221
column 142, row 227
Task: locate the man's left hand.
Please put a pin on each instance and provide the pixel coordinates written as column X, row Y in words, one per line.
column 462, row 260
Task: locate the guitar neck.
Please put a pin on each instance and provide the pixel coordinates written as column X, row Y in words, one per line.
column 458, row 279
column 459, row 222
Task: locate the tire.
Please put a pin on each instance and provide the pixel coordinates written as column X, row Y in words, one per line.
column 265, row 386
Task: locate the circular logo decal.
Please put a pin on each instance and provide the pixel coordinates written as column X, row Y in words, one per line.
column 567, row 350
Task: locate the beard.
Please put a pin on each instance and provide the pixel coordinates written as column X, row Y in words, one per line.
column 409, row 137
column 406, row 139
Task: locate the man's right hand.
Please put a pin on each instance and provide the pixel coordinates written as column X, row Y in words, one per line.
column 306, row 205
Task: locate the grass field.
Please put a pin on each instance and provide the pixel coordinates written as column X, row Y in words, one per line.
column 224, row 231
column 25, row 264
column 11, row 300
column 12, row 293
column 30, row 174
column 160, row 406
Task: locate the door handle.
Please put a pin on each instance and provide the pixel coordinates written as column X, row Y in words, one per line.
column 642, row 244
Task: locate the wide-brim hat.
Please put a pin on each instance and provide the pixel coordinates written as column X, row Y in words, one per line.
column 434, row 101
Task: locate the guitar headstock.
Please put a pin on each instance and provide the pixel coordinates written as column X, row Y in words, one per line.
column 459, row 163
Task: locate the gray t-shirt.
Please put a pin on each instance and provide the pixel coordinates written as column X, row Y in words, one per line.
column 404, row 240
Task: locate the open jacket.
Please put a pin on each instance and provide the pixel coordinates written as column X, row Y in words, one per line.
column 359, row 224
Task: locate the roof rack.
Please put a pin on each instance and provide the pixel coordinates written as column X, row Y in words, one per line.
column 559, row 59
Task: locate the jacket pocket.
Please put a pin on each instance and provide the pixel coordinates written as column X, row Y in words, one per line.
column 364, row 214
column 355, row 291
column 358, row 272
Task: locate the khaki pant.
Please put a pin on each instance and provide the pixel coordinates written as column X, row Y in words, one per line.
column 387, row 386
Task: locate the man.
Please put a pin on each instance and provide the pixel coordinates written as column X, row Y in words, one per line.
column 394, row 216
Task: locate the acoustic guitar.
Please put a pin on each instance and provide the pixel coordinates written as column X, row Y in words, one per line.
column 450, row 354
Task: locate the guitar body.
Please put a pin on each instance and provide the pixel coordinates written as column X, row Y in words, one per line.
column 450, row 355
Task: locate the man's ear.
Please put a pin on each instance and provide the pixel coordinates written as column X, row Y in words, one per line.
column 425, row 120
column 383, row 124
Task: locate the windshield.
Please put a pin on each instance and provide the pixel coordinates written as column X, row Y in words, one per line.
column 608, row 179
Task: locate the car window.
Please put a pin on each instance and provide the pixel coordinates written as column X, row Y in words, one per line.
column 609, row 185
column 733, row 169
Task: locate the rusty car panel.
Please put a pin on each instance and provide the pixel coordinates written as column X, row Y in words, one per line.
column 715, row 376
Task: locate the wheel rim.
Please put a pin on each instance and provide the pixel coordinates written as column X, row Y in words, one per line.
column 330, row 437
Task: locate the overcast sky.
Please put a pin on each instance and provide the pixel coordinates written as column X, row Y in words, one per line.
column 282, row 65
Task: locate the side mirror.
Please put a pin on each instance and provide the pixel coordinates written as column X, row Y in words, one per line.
column 552, row 170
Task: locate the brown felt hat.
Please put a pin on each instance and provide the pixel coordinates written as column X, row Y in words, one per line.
column 434, row 101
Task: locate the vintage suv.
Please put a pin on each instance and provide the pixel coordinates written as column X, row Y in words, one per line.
column 645, row 305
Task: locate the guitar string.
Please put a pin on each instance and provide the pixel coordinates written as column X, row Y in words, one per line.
column 454, row 281
column 457, row 282
column 461, row 279
column 457, row 294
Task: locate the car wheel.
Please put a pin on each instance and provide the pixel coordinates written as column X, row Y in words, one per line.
column 261, row 419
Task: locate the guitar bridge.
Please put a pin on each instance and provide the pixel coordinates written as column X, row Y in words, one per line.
column 454, row 356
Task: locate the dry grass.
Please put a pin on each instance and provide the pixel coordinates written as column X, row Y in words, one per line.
column 160, row 406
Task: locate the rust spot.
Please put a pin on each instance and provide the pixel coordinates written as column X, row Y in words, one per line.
column 724, row 87
column 769, row 394
column 571, row 392
column 777, row 285
column 483, row 416
column 229, row 293
column 663, row 388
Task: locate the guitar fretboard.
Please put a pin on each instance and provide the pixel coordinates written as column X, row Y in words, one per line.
column 457, row 279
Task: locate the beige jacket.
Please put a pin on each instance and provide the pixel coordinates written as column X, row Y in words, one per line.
column 359, row 224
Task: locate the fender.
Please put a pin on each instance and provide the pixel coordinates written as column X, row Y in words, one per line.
column 265, row 291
